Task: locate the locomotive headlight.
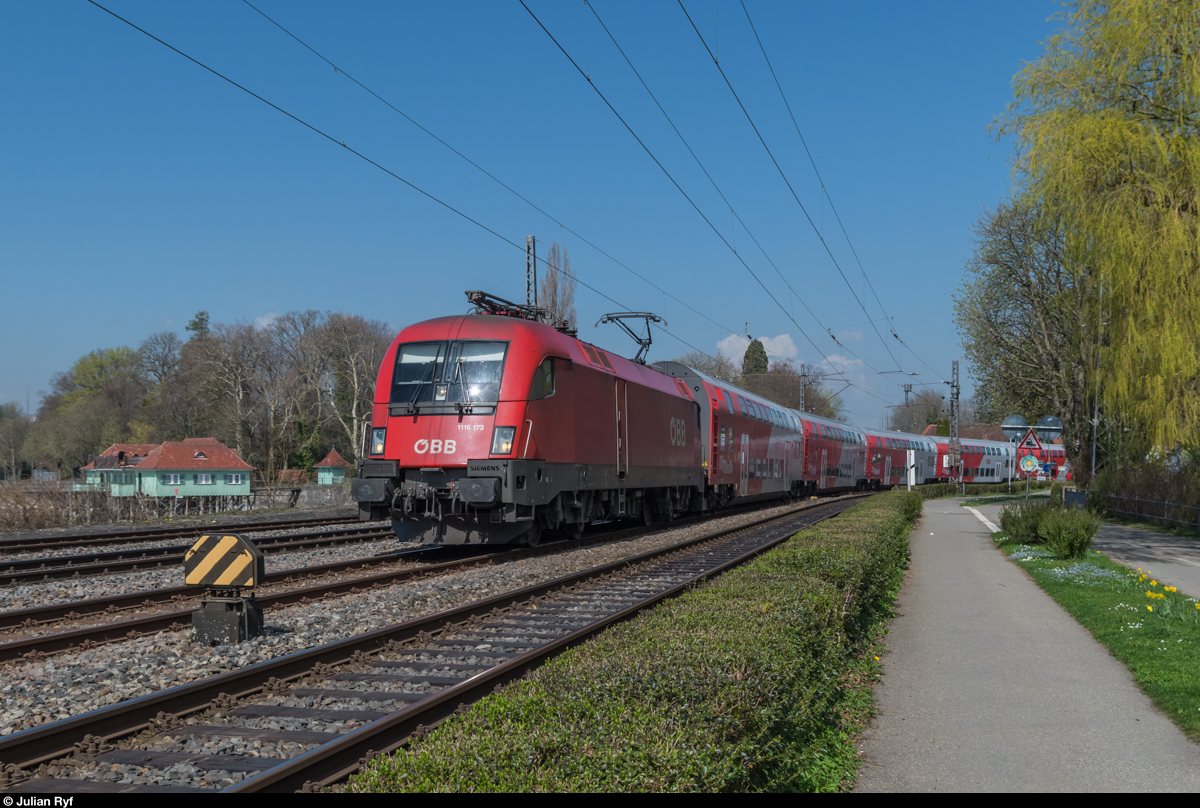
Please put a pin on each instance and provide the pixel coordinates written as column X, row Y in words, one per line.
column 502, row 439
column 378, row 437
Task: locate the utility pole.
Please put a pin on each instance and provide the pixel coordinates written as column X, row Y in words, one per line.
column 531, row 289
column 907, row 411
column 955, row 443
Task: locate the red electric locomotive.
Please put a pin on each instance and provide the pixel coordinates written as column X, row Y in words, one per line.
column 492, row 426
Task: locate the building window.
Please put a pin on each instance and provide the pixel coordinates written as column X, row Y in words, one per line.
column 170, row 479
column 204, row 479
column 233, row 479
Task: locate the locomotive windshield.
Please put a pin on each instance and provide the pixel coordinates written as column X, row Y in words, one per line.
column 429, row 375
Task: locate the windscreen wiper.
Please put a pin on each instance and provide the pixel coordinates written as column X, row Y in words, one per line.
column 412, row 402
column 461, row 374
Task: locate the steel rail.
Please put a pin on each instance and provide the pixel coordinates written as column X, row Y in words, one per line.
column 44, row 569
column 20, row 545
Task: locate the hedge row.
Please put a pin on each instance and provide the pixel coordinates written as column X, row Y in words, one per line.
column 735, row 686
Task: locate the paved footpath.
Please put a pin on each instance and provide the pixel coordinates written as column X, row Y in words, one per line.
column 989, row 685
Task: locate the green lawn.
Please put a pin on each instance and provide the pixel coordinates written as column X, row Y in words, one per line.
column 1156, row 635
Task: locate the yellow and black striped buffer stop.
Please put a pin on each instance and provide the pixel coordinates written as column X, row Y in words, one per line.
column 221, row 560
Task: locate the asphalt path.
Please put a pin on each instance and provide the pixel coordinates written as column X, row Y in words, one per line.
column 1170, row 559
column 989, row 685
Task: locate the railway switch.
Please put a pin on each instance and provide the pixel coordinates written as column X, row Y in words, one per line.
column 229, row 568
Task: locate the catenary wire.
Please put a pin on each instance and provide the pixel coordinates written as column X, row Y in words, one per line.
column 779, row 168
column 484, row 171
column 365, row 158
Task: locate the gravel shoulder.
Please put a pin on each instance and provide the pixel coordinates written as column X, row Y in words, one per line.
column 989, row 686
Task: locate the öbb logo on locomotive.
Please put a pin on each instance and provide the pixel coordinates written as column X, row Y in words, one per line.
column 493, row 427
column 678, row 432
column 435, row 446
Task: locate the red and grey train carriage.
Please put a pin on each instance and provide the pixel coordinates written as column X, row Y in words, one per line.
column 488, row 427
column 753, row 448
column 756, row 449
column 897, row 458
column 983, row 461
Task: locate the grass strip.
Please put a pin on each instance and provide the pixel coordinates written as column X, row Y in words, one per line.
column 753, row 682
column 1155, row 632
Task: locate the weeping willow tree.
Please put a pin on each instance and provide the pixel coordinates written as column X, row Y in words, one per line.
column 1108, row 148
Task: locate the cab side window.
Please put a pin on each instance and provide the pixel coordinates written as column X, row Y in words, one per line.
column 543, row 380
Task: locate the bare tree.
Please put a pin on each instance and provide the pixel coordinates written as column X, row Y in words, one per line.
column 716, row 366
column 556, row 292
column 924, row 408
column 796, row 388
column 159, row 356
column 355, row 349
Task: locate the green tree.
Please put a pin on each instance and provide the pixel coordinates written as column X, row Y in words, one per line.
column 1108, row 148
column 754, row 361
column 199, row 325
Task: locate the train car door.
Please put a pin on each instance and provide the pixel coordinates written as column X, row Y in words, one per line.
column 621, row 401
column 824, row 466
column 745, row 451
column 887, row 470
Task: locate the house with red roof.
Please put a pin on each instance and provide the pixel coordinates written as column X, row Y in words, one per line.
column 194, row 467
column 332, row 470
column 112, row 469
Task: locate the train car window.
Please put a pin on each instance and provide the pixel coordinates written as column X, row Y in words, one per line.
column 467, row 371
column 741, row 405
column 543, row 380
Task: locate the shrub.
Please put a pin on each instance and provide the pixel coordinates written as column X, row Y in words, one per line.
column 1022, row 521
column 1068, row 534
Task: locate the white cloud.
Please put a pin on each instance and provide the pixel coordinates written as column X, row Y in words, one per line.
column 266, row 320
column 733, row 348
column 781, row 347
column 778, row 348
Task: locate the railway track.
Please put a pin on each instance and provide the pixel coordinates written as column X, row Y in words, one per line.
column 33, row 544
column 51, row 567
column 353, row 578
column 312, row 717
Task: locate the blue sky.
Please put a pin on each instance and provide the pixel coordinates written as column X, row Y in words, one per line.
column 139, row 188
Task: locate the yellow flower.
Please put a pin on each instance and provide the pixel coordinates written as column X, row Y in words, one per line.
column 1149, row 594
column 1154, row 583
column 1151, row 608
column 1169, row 588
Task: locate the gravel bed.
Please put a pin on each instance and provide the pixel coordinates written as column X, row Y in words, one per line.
column 33, row 692
column 66, row 552
column 69, row 590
